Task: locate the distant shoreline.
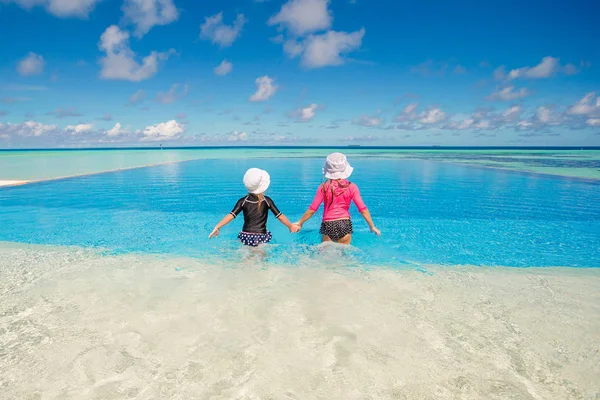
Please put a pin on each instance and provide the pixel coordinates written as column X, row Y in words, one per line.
column 351, row 147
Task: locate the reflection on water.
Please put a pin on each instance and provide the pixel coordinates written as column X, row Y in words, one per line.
column 76, row 325
column 36, row 165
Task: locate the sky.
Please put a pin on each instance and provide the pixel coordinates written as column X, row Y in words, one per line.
column 98, row 73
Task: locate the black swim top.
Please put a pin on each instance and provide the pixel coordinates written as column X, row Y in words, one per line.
column 255, row 218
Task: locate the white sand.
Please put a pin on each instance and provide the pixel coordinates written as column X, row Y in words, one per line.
column 12, row 183
column 76, row 325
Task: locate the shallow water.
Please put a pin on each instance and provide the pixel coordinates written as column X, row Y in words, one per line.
column 145, row 307
column 34, row 165
column 78, row 325
column 429, row 212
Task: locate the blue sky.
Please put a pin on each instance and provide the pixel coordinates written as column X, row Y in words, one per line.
column 298, row 72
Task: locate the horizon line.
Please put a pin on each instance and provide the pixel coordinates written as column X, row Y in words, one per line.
column 431, row 147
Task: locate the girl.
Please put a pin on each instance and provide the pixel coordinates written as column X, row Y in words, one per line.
column 255, row 207
column 336, row 194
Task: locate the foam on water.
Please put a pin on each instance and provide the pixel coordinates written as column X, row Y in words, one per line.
column 75, row 324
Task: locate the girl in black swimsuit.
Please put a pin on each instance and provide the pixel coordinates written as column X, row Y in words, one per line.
column 255, row 206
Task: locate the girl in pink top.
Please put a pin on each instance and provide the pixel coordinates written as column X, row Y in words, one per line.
column 336, row 194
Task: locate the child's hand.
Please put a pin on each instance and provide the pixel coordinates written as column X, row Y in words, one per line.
column 376, row 231
column 214, row 233
column 295, row 228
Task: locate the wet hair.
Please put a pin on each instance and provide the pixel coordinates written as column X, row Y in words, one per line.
column 327, row 186
column 261, row 198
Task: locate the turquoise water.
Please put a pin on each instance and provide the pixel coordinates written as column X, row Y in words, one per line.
column 428, row 212
column 34, row 165
column 162, row 312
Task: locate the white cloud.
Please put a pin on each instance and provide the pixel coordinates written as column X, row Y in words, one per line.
column 116, row 130
column 543, row 115
column 585, row 106
column 524, row 125
column 59, row 8
column 570, row 69
column 465, row 124
column 593, row 122
column 145, row 14
column 27, row 128
column 366, row 138
column 477, row 121
column 172, row 95
column 484, row 119
column 548, row 67
column 545, row 69
column 366, row 120
column 265, row 89
column 216, row 31
column 163, row 131
column 33, row 64
column 408, row 114
column 305, row 114
column 432, row 116
column 541, row 119
column 483, row 124
column 80, row 128
column 462, row 125
column 293, row 48
column 511, row 114
column 411, row 120
column 236, row 136
column 327, row 49
column 120, row 61
column 410, row 109
column 137, row 97
column 224, row 68
column 508, row 93
column 300, row 17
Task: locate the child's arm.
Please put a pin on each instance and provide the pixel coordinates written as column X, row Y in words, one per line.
column 227, row 219
column 284, row 220
column 362, row 208
column 367, row 216
column 307, row 215
column 279, row 215
column 312, row 209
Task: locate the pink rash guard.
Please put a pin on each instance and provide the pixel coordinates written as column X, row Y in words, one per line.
column 345, row 192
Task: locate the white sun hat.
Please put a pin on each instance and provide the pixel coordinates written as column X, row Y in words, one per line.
column 256, row 180
column 337, row 167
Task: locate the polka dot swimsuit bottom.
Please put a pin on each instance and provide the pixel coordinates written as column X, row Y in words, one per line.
column 336, row 229
column 255, row 239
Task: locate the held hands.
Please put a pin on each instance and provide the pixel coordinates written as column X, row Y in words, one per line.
column 295, row 228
